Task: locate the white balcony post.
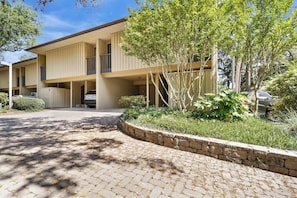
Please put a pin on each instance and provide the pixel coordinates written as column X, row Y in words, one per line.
column 10, row 86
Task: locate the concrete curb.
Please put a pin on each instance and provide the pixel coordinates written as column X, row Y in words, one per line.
column 275, row 160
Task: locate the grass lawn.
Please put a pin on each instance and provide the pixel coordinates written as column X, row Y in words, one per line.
column 250, row 131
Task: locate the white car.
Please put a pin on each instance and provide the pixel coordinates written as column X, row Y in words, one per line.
column 90, row 98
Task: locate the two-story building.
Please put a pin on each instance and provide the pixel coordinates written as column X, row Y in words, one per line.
column 24, row 78
column 66, row 68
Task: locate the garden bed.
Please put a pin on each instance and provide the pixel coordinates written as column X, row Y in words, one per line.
column 271, row 159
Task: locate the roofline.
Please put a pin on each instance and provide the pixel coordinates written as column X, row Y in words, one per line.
column 79, row 33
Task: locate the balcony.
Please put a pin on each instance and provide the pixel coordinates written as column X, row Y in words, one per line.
column 105, row 60
column 91, row 65
column 43, row 72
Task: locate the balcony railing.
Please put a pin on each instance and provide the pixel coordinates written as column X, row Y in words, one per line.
column 23, row 81
column 91, row 65
column 43, row 72
column 105, row 60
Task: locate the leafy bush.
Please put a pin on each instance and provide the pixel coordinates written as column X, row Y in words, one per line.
column 225, row 106
column 285, row 87
column 131, row 114
column 28, row 104
column 285, row 104
column 290, row 119
column 132, row 101
column 3, row 98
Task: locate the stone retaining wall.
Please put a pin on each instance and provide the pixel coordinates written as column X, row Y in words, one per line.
column 275, row 160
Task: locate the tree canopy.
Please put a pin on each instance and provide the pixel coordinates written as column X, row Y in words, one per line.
column 18, row 26
column 255, row 32
column 261, row 32
column 172, row 34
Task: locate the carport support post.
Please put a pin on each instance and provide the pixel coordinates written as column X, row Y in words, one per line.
column 10, row 85
column 147, row 91
column 71, row 90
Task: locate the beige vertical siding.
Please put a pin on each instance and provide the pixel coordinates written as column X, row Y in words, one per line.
column 206, row 86
column 112, row 89
column 89, row 50
column 4, row 75
column 55, row 97
column 3, row 79
column 30, row 75
column 120, row 61
column 102, row 47
column 64, row 62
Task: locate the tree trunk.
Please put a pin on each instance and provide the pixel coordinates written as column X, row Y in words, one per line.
column 233, row 72
column 256, row 101
column 238, row 74
column 248, row 77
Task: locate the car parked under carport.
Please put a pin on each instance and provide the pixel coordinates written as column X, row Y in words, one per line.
column 90, row 98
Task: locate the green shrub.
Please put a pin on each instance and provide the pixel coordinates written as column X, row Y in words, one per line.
column 225, row 106
column 28, row 104
column 285, row 104
column 285, row 87
column 290, row 118
column 131, row 114
column 132, row 101
column 3, row 98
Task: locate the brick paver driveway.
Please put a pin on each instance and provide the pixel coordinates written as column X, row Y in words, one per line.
column 71, row 154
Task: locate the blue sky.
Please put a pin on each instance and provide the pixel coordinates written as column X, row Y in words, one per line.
column 63, row 17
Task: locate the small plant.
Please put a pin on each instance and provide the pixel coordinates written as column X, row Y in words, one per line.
column 131, row 114
column 3, row 99
column 285, row 104
column 290, row 119
column 135, row 112
column 28, row 104
column 132, row 101
column 225, row 106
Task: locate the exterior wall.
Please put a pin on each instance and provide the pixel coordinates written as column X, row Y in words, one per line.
column 89, row 50
column 30, row 75
column 55, row 97
column 4, row 79
column 119, row 60
column 66, row 62
column 111, row 90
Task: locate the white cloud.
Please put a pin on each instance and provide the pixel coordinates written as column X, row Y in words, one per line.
column 51, row 21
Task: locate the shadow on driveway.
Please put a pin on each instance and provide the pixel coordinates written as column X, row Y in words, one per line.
column 41, row 151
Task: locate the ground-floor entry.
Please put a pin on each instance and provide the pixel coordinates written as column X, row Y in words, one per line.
column 108, row 91
column 78, row 90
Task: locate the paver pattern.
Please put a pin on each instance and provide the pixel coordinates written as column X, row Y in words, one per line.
column 86, row 156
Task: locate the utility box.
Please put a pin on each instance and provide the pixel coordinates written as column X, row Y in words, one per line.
column 55, row 97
